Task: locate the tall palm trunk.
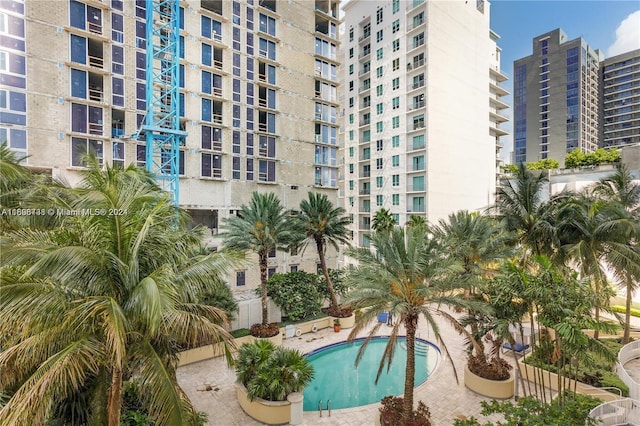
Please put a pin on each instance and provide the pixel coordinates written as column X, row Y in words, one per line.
column 410, row 323
column 325, row 271
column 263, row 287
column 114, row 403
column 627, row 312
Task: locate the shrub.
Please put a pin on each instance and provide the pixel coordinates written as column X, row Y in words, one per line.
column 337, row 279
column 221, row 297
column 271, row 373
column 241, row 332
column 340, row 311
column 391, row 413
column 529, row 411
column 296, row 293
column 492, row 369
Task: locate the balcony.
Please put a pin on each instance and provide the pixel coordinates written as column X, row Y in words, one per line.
column 415, row 85
column 414, row 4
column 497, row 88
column 365, row 191
column 417, row 105
column 415, row 64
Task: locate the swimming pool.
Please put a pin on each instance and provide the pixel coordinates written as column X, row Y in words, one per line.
column 338, row 380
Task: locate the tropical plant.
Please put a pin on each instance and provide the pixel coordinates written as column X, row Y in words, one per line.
column 322, row 224
column 530, row 411
column 621, row 189
column 519, row 204
column 272, row 372
column 391, row 413
column 406, row 277
column 296, row 294
column 596, row 235
column 262, row 226
column 577, row 158
column 416, row 221
column 477, row 243
column 545, row 164
column 108, row 297
column 383, row 221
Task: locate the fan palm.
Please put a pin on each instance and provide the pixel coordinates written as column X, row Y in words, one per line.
column 262, row 226
column 404, row 277
column 383, row 221
column 416, row 221
column 108, row 297
column 324, row 225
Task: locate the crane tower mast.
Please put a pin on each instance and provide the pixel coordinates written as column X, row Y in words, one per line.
column 161, row 127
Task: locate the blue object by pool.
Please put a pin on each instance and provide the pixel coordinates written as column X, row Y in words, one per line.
column 338, row 380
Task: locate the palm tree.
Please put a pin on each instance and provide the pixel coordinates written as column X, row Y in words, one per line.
column 323, row 225
column 14, row 177
column 262, row 226
column 520, row 205
column 404, row 277
column 383, row 221
column 416, row 221
column 596, row 235
column 477, row 243
column 620, row 188
column 108, row 297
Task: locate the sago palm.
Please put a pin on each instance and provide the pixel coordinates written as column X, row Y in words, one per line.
column 323, row 225
column 109, row 296
column 405, row 276
column 262, row 226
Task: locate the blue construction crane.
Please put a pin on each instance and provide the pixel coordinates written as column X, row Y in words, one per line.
column 161, row 127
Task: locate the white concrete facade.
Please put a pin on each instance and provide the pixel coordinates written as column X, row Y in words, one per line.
column 422, row 111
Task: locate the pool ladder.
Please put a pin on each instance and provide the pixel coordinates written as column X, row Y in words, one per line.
column 328, row 407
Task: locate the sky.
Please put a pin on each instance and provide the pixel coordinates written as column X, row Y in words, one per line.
column 613, row 26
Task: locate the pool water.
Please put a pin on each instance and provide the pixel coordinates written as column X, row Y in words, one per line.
column 338, row 380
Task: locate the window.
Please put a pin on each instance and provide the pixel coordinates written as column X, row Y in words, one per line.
column 267, row 49
column 379, row 15
column 395, row 6
column 266, row 170
column 351, row 34
column 395, row 26
column 350, row 52
column 117, row 59
column 16, row 140
column 418, row 40
column 379, row 72
column 395, row 161
column 395, row 83
column 395, row 102
column 379, row 163
column 267, row 25
column 395, row 199
column 379, row 200
column 379, row 127
column 379, row 90
column 86, row 119
column 118, row 154
column 117, row 90
column 395, row 141
column 379, row 145
column 117, row 28
column 85, row 17
column 240, row 278
column 351, row 151
column 379, row 36
column 418, row 162
column 350, row 69
column 351, row 185
column 395, row 64
column 293, row 268
column 81, row 148
column 211, row 28
column 211, row 165
column 379, row 108
column 395, row 122
column 379, row 54
column 418, row 142
column 379, row 181
column 395, row 45
column 418, row 183
column 395, row 180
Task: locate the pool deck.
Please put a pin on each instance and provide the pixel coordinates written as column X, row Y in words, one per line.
column 446, row 399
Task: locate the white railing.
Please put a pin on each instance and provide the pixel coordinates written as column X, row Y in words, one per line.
column 629, row 352
column 621, row 412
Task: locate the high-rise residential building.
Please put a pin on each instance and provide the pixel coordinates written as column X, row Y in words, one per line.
column 620, row 106
column 258, row 98
column 556, row 98
column 422, row 109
